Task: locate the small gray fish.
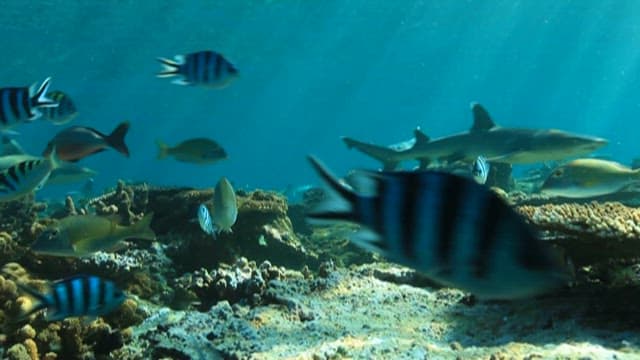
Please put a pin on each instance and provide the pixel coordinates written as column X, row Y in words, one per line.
column 480, row 170
column 80, row 295
column 198, row 151
column 449, row 227
column 63, row 113
column 204, row 219
column 225, row 207
column 23, row 104
column 205, row 68
column 69, row 173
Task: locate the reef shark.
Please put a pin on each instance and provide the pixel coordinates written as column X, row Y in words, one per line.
column 485, row 138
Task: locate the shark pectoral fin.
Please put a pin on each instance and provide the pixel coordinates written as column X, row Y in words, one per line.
column 423, row 164
column 452, row 158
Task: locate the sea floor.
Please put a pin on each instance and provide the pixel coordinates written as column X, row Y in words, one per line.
column 353, row 314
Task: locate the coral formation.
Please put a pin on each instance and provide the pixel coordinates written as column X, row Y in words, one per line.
column 257, row 305
column 590, row 233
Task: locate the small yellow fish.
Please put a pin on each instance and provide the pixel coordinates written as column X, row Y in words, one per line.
column 197, row 151
column 583, row 178
column 85, row 234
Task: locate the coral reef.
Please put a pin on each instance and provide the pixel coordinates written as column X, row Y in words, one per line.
column 590, row 233
column 240, row 281
column 277, row 287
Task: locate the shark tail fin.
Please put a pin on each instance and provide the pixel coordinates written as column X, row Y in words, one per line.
column 388, row 157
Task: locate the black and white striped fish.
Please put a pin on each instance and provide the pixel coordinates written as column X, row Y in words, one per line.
column 22, row 104
column 455, row 231
column 206, row 68
column 480, row 170
column 204, row 219
column 80, row 295
column 26, row 176
column 63, row 113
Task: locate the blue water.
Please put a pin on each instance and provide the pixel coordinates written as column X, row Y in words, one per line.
column 312, row 71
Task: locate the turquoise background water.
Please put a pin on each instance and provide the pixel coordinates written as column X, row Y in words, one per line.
column 314, row 70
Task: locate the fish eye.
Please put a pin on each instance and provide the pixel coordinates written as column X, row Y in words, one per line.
column 558, row 173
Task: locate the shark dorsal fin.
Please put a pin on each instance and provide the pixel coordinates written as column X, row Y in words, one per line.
column 420, row 136
column 481, row 118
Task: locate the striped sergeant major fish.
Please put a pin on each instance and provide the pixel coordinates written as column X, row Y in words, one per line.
column 205, row 68
column 80, row 295
column 63, row 113
column 204, row 219
column 480, row 170
column 22, row 104
column 457, row 232
column 26, row 176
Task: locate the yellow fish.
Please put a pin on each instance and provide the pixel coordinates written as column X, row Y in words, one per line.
column 83, row 235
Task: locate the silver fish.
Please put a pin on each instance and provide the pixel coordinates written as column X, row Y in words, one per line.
column 480, row 170
column 204, row 218
column 225, row 206
column 455, row 231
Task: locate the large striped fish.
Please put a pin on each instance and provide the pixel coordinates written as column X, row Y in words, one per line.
column 205, row 68
column 455, row 231
column 80, row 295
column 26, row 176
column 21, row 104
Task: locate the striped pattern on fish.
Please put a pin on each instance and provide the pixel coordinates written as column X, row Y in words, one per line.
column 21, row 104
column 26, row 176
column 457, row 232
column 206, row 68
column 204, row 219
column 64, row 112
column 80, row 295
column 480, row 170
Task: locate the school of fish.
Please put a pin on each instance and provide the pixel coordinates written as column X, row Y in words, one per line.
column 449, row 225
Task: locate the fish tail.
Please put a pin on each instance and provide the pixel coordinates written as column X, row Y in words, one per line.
column 40, row 98
column 54, row 158
column 163, row 149
column 169, row 68
column 116, row 138
column 142, row 229
column 42, row 301
column 385, row 155
column 340, row 202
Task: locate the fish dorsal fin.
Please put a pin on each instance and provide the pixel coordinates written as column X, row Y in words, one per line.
column 421, row 138
column 481, row 118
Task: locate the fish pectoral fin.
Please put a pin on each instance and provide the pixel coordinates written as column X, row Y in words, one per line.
column 182, row 82
column 452, row 158
column 120, row 245
column 370, row 241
